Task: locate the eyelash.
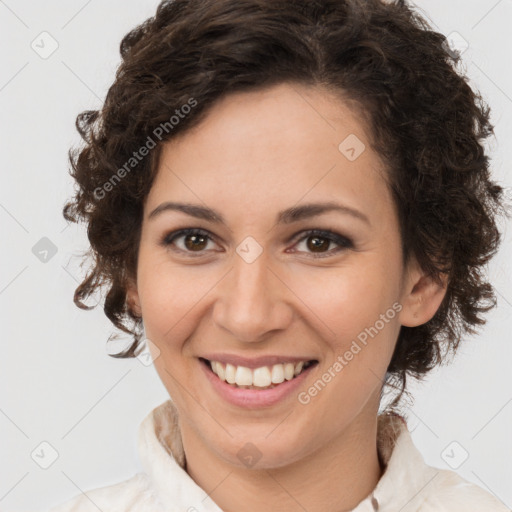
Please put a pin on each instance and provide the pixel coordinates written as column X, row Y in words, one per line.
column 343, row 242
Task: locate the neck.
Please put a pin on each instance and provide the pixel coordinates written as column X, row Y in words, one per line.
column 338, row 476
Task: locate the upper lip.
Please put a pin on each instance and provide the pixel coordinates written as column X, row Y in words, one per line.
column 255, row 362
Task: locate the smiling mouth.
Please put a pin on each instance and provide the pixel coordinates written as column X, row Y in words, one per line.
column 264, row 377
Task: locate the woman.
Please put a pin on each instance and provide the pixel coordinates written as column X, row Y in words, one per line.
column 291, row 206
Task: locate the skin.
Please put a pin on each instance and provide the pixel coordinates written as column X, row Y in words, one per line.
column 256, row 154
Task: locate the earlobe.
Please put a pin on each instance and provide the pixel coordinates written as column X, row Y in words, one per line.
column 132, row 299
column 422, row 297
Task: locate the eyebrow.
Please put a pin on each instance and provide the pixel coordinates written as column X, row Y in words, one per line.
column 288, row 216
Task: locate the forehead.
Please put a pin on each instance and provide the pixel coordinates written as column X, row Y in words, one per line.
column 274, row 147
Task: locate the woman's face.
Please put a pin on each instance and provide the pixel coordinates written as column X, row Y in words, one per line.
column 254, row 289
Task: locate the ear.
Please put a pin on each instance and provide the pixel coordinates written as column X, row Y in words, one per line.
column 421, row 296
column 132, row 297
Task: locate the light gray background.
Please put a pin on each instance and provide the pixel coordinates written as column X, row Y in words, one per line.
column 57, row 383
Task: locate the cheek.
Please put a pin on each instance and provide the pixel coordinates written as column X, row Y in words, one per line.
column 358, row 311
column 347, row 300
column 169, row 298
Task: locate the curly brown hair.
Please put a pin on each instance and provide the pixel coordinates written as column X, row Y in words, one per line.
column 424, row 120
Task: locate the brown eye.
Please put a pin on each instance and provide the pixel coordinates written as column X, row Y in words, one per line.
column 318, row 242
column 194, row 240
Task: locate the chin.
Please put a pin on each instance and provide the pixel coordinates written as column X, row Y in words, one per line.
column 258, row 450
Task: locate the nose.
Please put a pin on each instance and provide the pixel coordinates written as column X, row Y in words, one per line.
column 253, row 301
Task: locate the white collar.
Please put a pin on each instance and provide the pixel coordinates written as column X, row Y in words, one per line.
column 403, row 486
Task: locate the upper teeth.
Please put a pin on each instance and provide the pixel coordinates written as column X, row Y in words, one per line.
column 260, row 377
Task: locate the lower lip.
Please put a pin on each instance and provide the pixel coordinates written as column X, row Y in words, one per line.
column 253, row 398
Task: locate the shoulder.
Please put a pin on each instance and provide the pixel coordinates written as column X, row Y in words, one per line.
column 449, row 492
column 132, row 495
column 409, row 484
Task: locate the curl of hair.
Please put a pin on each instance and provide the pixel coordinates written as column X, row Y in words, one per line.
column 384, row 59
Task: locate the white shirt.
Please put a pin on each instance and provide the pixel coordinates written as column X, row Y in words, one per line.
column 408, row 484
